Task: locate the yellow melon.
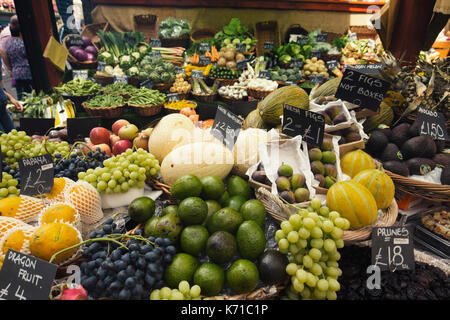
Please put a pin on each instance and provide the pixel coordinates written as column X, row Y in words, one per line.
column 59, row 212
column 356, row 161
column 379, row 184
column 50, row 238
column 24, row 208
column 354, row 202
column 60, row 186
column 17, row 239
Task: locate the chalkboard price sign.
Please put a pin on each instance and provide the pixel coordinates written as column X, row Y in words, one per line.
column 36, row 175
column 25, row 277
column 241, row 65
column 173, row 97
column 155, row 54
column 352, row 37
column 322, row 37
column 82, row 74
column 179, row 70
column 268, row 45
column 204, row 47
column 155, row 42
column 240, row 47
column 147, row 84
column 101, row 66
column 76, row 41
column 78, row 128
column 296, row 63
column 226, row 127
column 316, row 53
column 393, row 248
column 432, row 124
column 197, row 74
column 265, row 74
column 129, row 38
column 333, row 64
column 316, row 78
column 204, row 60
column 120, row 79
column 310, row 125
column 302, row 39
column 362, row 89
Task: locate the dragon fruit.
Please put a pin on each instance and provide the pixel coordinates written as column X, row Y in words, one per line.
column 66, row 291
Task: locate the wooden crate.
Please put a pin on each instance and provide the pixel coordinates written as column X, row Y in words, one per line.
column 146, row 23
column 266, row 31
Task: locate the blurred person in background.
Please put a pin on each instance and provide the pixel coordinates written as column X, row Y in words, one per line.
column 5, row 35
column 6, row 123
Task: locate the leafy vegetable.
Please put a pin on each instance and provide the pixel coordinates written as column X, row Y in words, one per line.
column 105, row 101
column 173, row 28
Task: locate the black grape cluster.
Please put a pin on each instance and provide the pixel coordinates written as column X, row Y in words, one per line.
column 70, row 168
column 13, row 172
column 124, row 273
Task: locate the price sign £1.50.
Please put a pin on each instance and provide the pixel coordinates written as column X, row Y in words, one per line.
column 432, row 124
column 36, row 175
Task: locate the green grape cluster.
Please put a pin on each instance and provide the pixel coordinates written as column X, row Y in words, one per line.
column 17, row 145
column 8, row 186
column 184, row 292
column 122, row 172
column 311, row 239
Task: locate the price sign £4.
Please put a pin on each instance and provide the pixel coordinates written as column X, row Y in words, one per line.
column 36, row 175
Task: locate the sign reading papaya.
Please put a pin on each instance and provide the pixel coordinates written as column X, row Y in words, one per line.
column 36, row 175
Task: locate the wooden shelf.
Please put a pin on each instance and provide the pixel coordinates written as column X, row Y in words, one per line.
column 321, row 5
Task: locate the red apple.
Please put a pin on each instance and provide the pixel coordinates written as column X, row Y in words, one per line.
column 113, row 139
column 88, row 147
column 128, row 132
column 141, row 141
column 121, row 146
column 102, row 147
column 119, row 124
column 99, row 135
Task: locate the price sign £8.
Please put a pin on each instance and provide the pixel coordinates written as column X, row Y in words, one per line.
column 36, row 175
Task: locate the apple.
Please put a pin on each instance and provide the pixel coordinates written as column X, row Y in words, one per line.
column 147, row 131
column 102, row 147
column 113, row 139
column 128, row 132
column 99, row 135
column 119, row 124
column 88, row 146
column 141, row 141
column 121, row 146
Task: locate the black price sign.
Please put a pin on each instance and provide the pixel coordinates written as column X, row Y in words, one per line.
column 322, row 37
column 204, row 60
column 265, row 74
column 352, row 37
column 179, row 70
column 37, row 126
column 333, row 64
column 226, row 127
column 241, row 65
column 240, row 47
column 25, row 277
column 302, row 39
column 204, row 47
column 155, row 42
column 316, row 78
column 130, row 38
column 78, row 128
column 147, row 84
column 197, row 74
column 76, row 41
column 82, row 74
column 310, row 125
column 288, row 83
column 155, row 54
column 101, row 66
column 316, row 53
column 362, row 89
column 120, row 79
column 393, row 248
column 296, row 63
column 432, row 124
column 268, row 45
column 36, row 175
column 173, row 97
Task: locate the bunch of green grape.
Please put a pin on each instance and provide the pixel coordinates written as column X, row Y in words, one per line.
column 17, row 145
column 122, row 172
column 184, row 292
column 8, row 186
column 311, row 239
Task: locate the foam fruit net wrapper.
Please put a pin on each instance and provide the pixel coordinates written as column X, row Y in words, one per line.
column 60, row 189
column 77, row 218
column 27, row 231
column 86, row 200
column 7, row 223
column 29, row 208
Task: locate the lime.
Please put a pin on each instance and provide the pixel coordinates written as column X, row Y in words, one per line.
column 238, row 186
column 224, row 199
column 169, row 209
column 150, row 226
column 254, row 210
column 141, row 209
column 242, row 276
column 251, row 240
column 192, row 210
column 236, row 202
column 210, row 277
column 181, row 268
column 213, row 206
column 213, row 187
column 186, row 186
column 226, row 219
column 193, row 239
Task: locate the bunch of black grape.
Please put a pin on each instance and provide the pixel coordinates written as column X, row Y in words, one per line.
column 130, row 273
column 75, row 164
column 14, row 172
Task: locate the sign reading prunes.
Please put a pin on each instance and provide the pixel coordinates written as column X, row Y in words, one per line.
column 204, row 60
column 155, row 42
column 101, row 66
column 25, row 277
column 82, row 74
column 147, row 84
column 76, row 40
column 362, row 89
column 120, row 79
column 302, row 39
column 204, row 47
column 432, row 124
column 240, row 47
column 322, row 37
column 129, row 38
column 268, row 45
column 296, row 63
column 36, row 175
column 310, row 125
column 393, row 248
column 226, row 127
column 197, row 74
column 265, row 74
column 173, row 97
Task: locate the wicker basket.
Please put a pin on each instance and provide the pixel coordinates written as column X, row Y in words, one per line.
column 200, row 34
column 281, row 211
column 223, row 82
column 104, row 112
column 207, row 98
column 364, row 32
column 103, row 80
column 147, row 111
column 257, row 94
column 266, row 31
column 169, row 110
column 78, row 65
column 329, row 57
column 163, row 87
column 294, row 29
column 91, row 31
column 229, row 100
column 146, row 23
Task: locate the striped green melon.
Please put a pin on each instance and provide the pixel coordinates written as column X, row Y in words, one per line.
column 379, row 184
column 354, row 202
column 254, row 120
column 356, row 161
column 326, row 89
column 271, row 108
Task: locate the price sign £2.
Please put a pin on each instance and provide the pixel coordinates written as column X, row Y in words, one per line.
column 36, row 175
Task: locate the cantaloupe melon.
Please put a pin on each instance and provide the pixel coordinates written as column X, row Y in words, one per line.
column 379, row 184
column 356, row 161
